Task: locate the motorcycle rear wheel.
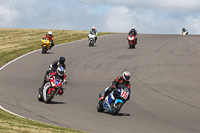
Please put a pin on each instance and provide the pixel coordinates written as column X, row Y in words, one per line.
column 100, row 107
column 40, row 97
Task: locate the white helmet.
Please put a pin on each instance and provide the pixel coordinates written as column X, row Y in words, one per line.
column 126, row 75
column 60, row 71
column 93, row 28
column 133, row 28
column 50, row 33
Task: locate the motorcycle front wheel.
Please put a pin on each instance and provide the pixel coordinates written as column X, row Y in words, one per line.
column 50, row 96
column 116, row 109
column 43, row 50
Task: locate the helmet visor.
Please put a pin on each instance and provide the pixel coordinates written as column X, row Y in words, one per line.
column 61, row 72
column 127, row 77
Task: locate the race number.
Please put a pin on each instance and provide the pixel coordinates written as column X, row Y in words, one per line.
column 124, row 94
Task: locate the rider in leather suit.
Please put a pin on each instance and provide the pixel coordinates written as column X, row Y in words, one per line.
column 120, row 80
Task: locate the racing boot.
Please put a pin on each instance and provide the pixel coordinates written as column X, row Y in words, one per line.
column 60, row 91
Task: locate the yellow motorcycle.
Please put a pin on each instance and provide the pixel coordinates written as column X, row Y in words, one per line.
column 45, row 45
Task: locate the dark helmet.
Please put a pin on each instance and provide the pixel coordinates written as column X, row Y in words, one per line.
column 62, row 60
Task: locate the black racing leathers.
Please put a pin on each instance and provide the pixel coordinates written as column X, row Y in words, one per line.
column 55, row 65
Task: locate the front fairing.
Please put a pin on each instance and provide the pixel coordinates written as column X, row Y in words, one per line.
column 45, row 42
column 56, row 82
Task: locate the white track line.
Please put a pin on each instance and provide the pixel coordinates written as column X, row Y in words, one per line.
column 10, row 112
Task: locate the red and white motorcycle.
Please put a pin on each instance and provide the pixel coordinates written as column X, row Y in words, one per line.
column 50, row 89
column 131, row 41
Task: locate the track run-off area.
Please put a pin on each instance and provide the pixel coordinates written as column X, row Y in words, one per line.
column 165, row 83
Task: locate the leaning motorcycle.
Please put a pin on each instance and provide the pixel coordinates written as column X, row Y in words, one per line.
column 45, row 45
column 91, row 39
column 50, row 89
column 131, row 41
column 114, row 101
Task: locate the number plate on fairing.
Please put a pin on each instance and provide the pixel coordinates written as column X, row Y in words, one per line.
column 124, row 94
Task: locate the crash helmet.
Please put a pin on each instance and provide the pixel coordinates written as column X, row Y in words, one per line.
column 93, row 28
column 62, row 60
column 133, row 28
column 50, row 33
column 126, row 75
column 60, row 71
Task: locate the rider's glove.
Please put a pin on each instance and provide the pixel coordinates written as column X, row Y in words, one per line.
column 114, row 87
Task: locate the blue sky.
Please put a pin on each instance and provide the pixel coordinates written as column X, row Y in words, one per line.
column 148, row 16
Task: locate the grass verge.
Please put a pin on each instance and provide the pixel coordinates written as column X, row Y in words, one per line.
column 16, row 42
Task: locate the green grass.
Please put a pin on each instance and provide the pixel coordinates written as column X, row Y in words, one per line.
column 10, row 123
column 16, row 42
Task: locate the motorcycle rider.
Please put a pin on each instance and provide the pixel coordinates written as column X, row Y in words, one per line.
column 184, row 30
column 133, row 32
column 93, row 32
column 120, row 80
column 59, row 72
column 53, row 67
column 50, row 37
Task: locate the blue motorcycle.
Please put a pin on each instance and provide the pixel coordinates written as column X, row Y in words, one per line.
column 114, row 101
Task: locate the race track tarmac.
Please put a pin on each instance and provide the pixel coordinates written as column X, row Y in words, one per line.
column 165, row 82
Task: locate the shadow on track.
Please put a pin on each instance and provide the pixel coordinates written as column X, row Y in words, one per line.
column 54, row 102
column 118, row 114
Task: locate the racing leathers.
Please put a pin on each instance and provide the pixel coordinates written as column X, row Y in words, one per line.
column 118, row 81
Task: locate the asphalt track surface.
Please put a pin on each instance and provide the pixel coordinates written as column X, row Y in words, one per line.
column 165, row 94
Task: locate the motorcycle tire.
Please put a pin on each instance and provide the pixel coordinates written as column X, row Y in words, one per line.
column 40, row 97
column 50, row 96
column 133, row 46
column 100, row 107
column 130, row 46
column 116, row 109
column 44, row 50
column 91, row 44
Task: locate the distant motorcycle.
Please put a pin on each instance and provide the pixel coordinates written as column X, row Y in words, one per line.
column 185, row 33
column 131, row 41
column 91, row 39
column 50, row 89
column 45, row 45
column 114, row 101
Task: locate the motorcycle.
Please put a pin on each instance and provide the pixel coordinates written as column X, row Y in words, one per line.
column 185, row 33
column 45, row 45
column 91, row 39
column 114, row 101
column 131, row 41
column 50, row 89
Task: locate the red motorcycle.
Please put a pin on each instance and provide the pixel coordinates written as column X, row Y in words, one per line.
column 50, row 89
column 131, row 41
